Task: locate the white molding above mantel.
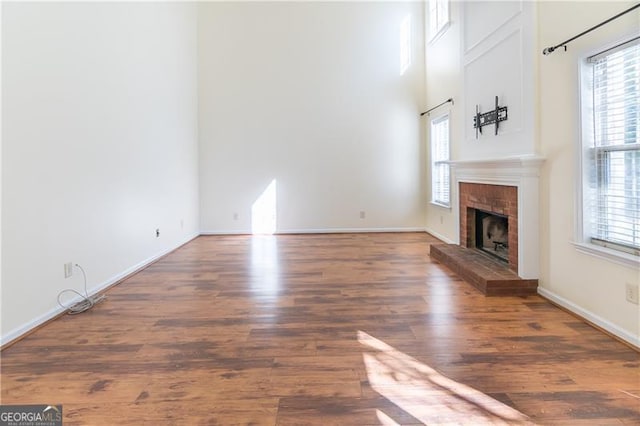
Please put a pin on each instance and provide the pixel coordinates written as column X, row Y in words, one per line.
column 520, row 161
column 500, row 168
column 524, row 173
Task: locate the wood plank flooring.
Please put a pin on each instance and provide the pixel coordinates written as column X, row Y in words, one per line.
column 347, row 329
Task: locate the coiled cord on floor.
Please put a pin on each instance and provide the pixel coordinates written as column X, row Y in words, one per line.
column 87, row 301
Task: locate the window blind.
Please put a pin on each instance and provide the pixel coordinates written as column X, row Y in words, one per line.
column 440, row 169
column 615, row 178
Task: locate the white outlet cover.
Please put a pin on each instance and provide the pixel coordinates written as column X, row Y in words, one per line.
column 632, row 293
column 68, row 269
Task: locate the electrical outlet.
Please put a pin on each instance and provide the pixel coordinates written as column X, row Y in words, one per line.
column 631, row 291
column 181, row 223
column 441, row 220
column 157, row 232
column 68, row 269
column 235, row 216
column 363, row 214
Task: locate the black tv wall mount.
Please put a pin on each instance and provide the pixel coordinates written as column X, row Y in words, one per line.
column 492, row 117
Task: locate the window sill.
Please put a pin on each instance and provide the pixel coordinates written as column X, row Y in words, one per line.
column 610, row 255
column 442, row 205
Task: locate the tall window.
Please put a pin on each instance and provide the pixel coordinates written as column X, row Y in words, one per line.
column 438, row 17
column 405, row 44
column 611, row 148
column 440, row 169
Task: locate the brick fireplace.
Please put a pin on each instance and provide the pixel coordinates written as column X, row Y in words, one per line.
column 507, row 188
column 499, row 199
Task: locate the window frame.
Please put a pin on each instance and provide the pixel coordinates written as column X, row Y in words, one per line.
column 441, row 27
column 432, row 163
column 582, row 238
column 406, row 44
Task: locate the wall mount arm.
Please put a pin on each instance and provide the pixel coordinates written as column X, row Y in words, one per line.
column 500, row 113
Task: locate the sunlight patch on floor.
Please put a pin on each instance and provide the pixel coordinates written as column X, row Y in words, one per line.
column 265, row 264
column 426, row 394
column 385, row 420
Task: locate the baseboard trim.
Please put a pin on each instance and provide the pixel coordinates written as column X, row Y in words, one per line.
column 348, row 230
column 439, row 236
column 21, row 332
column 319, row 231
column 591, row 318
column 216, row 232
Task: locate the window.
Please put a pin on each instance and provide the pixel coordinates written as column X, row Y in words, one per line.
column 440, row 169
column 405, row 44
column 438, row 17
column 611, row 149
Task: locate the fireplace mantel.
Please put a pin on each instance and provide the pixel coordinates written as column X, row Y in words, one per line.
column 522, row 172
column 500, row 168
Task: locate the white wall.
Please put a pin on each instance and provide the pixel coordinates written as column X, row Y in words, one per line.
column 498, row 60
column 444, row 81
column 589, row 285
column 310, row 94
column 99, row 143
column 1, row 174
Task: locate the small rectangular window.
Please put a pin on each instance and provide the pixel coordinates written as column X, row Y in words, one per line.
column 440, row 168
column 438, row 18
column 611, row 149
column 405, row 44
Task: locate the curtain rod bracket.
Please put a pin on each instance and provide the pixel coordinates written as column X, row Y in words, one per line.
column 550, row 49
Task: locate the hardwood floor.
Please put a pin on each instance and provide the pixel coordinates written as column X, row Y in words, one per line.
column 348, row 329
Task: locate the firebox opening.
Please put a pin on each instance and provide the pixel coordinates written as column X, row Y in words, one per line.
column 492, row 234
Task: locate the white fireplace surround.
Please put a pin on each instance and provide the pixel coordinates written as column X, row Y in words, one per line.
column 522, row 172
